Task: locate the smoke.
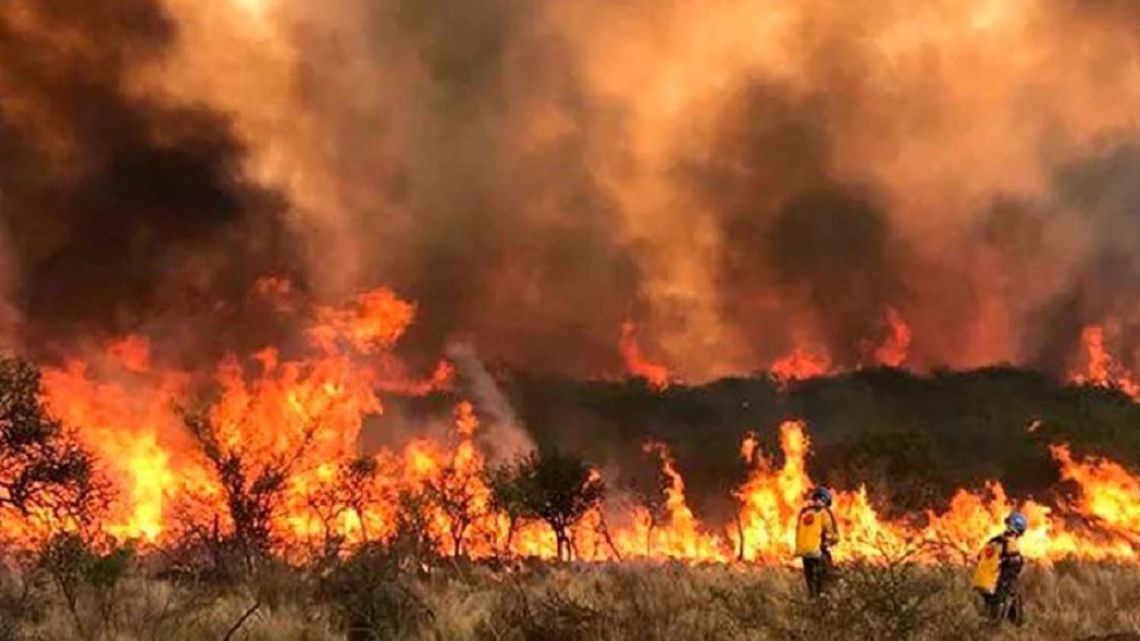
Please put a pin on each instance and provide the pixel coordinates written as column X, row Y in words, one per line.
column 504, row 436
column 1103, row 289
column 9, row 316
column 739, row 177
column 119, row 210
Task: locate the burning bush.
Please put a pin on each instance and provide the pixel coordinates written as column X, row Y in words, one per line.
column 555, row 487
column 252, row 485
column 48, row 482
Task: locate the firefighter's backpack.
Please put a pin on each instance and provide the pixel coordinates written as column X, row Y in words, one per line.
column 809, row 532
column 988, row 570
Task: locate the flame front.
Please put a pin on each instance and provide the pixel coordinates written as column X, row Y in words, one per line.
column 300, row 413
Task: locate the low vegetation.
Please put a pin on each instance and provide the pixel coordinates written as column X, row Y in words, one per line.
column 227, row 580
column 382, row 594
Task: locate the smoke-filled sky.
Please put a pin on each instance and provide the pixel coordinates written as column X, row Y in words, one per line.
column 739, row 177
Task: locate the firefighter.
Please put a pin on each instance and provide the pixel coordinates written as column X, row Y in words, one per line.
column 995, row 577
column 816, row 533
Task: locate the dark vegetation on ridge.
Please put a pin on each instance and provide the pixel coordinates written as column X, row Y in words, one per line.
column 912, row 438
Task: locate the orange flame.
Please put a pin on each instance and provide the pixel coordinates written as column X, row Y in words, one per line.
column 1101, row 368
column 637, row 364
column 801, row 364
column 304, row 413
column 1110, row 495
column 771, row 498
column 681, row 535
column 895, row 347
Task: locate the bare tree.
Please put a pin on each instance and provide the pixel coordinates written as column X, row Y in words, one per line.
column 507, row 499
column 455, row 492
column 348, row 493
column 358, row 480
column 649, row 487
column 43, row 470
column 414, row 542
column 252, row 484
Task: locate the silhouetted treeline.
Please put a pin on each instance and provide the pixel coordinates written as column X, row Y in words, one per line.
column 912, row 438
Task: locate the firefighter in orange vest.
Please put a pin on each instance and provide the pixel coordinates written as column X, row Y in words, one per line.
column 995, row 577
column 816, row 532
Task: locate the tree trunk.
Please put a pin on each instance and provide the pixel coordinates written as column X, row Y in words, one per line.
column 563, row 545
column 739, row 538
column 605, row 531
column 511, row 524
column 363, row 527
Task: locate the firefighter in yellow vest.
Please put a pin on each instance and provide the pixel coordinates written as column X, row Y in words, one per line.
column 995, row 577
column 816, row 532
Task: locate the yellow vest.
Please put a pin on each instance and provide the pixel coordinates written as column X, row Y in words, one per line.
column 814, row 526
column 988, row 570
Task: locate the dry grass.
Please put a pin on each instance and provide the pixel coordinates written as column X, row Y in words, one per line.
column 595, row 603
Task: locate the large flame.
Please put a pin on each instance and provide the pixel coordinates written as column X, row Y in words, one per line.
column 1108, row 493
column 771, row 499
column 299, row 413
column 1100, row 367
column 679, row 535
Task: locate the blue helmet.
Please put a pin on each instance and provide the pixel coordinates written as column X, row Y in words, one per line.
column 822, row 494
column 1017, row 522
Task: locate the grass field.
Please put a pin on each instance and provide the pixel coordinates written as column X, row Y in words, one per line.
column 375, row 600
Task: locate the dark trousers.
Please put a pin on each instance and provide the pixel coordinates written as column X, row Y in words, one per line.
column 816, row 572
column 1004, row 605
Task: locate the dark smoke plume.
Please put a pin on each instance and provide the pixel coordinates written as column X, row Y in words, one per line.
column 118, row 210
column 738, row 181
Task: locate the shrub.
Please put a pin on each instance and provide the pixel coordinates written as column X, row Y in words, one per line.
column 88, row 581
column 893, row 600
column 373, row 600
column 525, row 612
column 22, row 603
column 555, row 487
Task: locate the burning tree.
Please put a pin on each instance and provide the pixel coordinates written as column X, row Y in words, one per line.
column 348, row 494
column 650, row 488
column 459, row 489
column 46, row 478
column 357, row 480
column 559, row 489
column 507, row 498
column 461, row 496
column 252, row 483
